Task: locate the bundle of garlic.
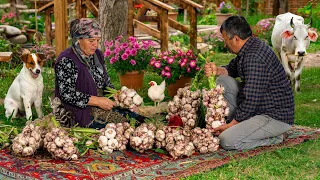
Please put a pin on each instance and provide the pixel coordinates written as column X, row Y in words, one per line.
column 28, row 141
column 123, row 131
column 204, row 141
column 60, row 145
column 127, row 98
column 176, row 141
column 185, row 104
column 143, row 137
column 217, row 108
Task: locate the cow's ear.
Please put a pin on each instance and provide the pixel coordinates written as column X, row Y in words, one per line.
column 287, row 34
column 312, row 35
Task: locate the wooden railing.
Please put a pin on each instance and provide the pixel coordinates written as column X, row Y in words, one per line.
column 162, row 9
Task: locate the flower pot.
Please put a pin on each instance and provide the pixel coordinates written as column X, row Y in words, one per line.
column 222, row 17
column 180, row 83
column 132, row 80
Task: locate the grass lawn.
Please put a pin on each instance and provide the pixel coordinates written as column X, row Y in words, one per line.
column 298, row 162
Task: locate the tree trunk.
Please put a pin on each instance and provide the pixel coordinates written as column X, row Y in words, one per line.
column 113, row 17
column 284, row 5
column 276, row 5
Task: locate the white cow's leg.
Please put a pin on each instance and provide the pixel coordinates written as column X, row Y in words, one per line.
column 297, row 73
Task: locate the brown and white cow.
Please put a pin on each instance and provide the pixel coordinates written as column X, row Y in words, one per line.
column 291, row 38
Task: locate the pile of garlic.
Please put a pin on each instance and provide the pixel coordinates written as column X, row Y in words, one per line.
column 28, row 141
column 204, row 141
column 185, row 104
column 107, row 141
column 143, row 137
column 128, row 98
column 175, row 140
column 217, row 108
column 60, row 145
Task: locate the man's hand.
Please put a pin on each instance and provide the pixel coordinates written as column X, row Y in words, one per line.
column 217, row 131
column 210, row 69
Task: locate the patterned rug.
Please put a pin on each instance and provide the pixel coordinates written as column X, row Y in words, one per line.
column 130, row 164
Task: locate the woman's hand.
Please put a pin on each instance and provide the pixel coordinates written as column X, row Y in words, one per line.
column 210, row 69
column 102, row 102
column 217, row 131
column 106, row 103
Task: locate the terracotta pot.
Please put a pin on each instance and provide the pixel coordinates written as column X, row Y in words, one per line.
column 180, row 83
column 222, row 17
column 132, row 80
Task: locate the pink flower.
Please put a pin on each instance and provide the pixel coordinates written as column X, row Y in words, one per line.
column 11, row 14
column 182, row 64
column 197, row 68
column 152, row 61
column 124, row 56
column 133, row 62
column 136, row 45
column 107, row 53
column 168, row 74
column 133, row 52
column 124, row 45
column 170, row 60
column 189, row 53
column 193, row 63
column 132, row 39
column 188, row 70
column 4, row 17
column 164, row 57
column 185, row 60
column 127, row 51
column 167, row 68
column 113, row 60
column 157, row 64
column 163, row 72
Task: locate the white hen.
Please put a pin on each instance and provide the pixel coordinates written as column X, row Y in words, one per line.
column 156, row 92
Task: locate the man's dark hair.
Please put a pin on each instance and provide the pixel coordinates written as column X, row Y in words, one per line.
column 236, row 25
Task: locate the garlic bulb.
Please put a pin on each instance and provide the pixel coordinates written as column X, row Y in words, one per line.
column 185, row 104
column 28, row 141
column 217, row 108
column 204, row 141
column 128, row 98
column 60, row 145
column 143, row 137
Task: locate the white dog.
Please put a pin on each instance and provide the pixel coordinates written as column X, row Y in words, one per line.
column 26, row 88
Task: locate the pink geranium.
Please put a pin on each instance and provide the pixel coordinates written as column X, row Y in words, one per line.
column 173, row 64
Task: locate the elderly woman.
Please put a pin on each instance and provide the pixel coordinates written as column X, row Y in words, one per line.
column 81, row 74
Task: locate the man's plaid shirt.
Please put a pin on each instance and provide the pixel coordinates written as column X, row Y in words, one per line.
column 264, row 87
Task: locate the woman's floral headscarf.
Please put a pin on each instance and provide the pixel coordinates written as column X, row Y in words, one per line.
column 84, row 28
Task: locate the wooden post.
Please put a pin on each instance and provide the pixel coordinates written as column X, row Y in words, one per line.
column 130, row 18
column 48, row 26
column 164, row 29
column 78, row 9
column 193, row 28
column 61, row 28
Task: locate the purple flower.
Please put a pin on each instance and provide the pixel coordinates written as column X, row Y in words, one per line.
column 124, row 56
column 167, row 68
column 193, row 63
column 228, row 6
column 133, row 62
column 170, row 60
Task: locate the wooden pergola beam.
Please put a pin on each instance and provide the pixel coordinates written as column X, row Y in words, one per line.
column 92, row 8
column 153, row 32
column 43, row 8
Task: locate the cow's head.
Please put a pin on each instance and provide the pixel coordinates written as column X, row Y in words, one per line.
column 301, row 36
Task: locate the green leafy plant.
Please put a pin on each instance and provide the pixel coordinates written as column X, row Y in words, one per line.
column 209, row 19
column 40, row 21
column 173, row 64
column 181, row 40
column 128, row 54
column 226, row 7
